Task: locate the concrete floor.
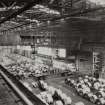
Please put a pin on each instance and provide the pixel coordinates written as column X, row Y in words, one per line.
column 59, row 83
column 7, row 97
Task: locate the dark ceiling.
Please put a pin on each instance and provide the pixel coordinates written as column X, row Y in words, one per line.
column 22, row 15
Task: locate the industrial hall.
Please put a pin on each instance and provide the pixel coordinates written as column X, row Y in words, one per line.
column 52, row 52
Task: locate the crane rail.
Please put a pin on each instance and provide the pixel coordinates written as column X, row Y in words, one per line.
column 25, row 95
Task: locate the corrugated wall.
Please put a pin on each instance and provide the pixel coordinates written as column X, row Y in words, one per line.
column 9, row 39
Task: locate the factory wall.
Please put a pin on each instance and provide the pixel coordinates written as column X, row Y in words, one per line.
column 68, row 35
column 98, row 48
column 85, row 63
column 9, row 39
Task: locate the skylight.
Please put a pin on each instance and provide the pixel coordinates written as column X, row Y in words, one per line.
column 98, row 2
column 46, row 9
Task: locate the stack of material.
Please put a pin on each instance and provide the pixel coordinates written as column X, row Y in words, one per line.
column 89, row 88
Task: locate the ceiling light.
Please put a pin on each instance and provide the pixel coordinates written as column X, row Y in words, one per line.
column 28, row 19
column 19, row 16
column 2, row 9
column 48, row 22
column 98, row 2
column 16, row 7
column 38, row 24
column 62, row 20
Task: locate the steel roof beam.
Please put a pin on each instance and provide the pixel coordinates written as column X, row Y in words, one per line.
column 65, row 16
column 26, row 7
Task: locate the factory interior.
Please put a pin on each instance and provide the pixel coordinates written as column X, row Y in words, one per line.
column 52, row 52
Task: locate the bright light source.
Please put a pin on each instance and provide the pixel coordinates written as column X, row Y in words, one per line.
column 98, row 2
column 62, row 53
column 16, row 7
column 48, row 22
column 34, row 20
column 19, row 16
column 28, row 19
column 2, row 9
column 62, row 20
column 46, row 10
column 38, row 23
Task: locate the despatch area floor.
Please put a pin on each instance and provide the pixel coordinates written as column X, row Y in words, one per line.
column 7, row 97
column 59, row 83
